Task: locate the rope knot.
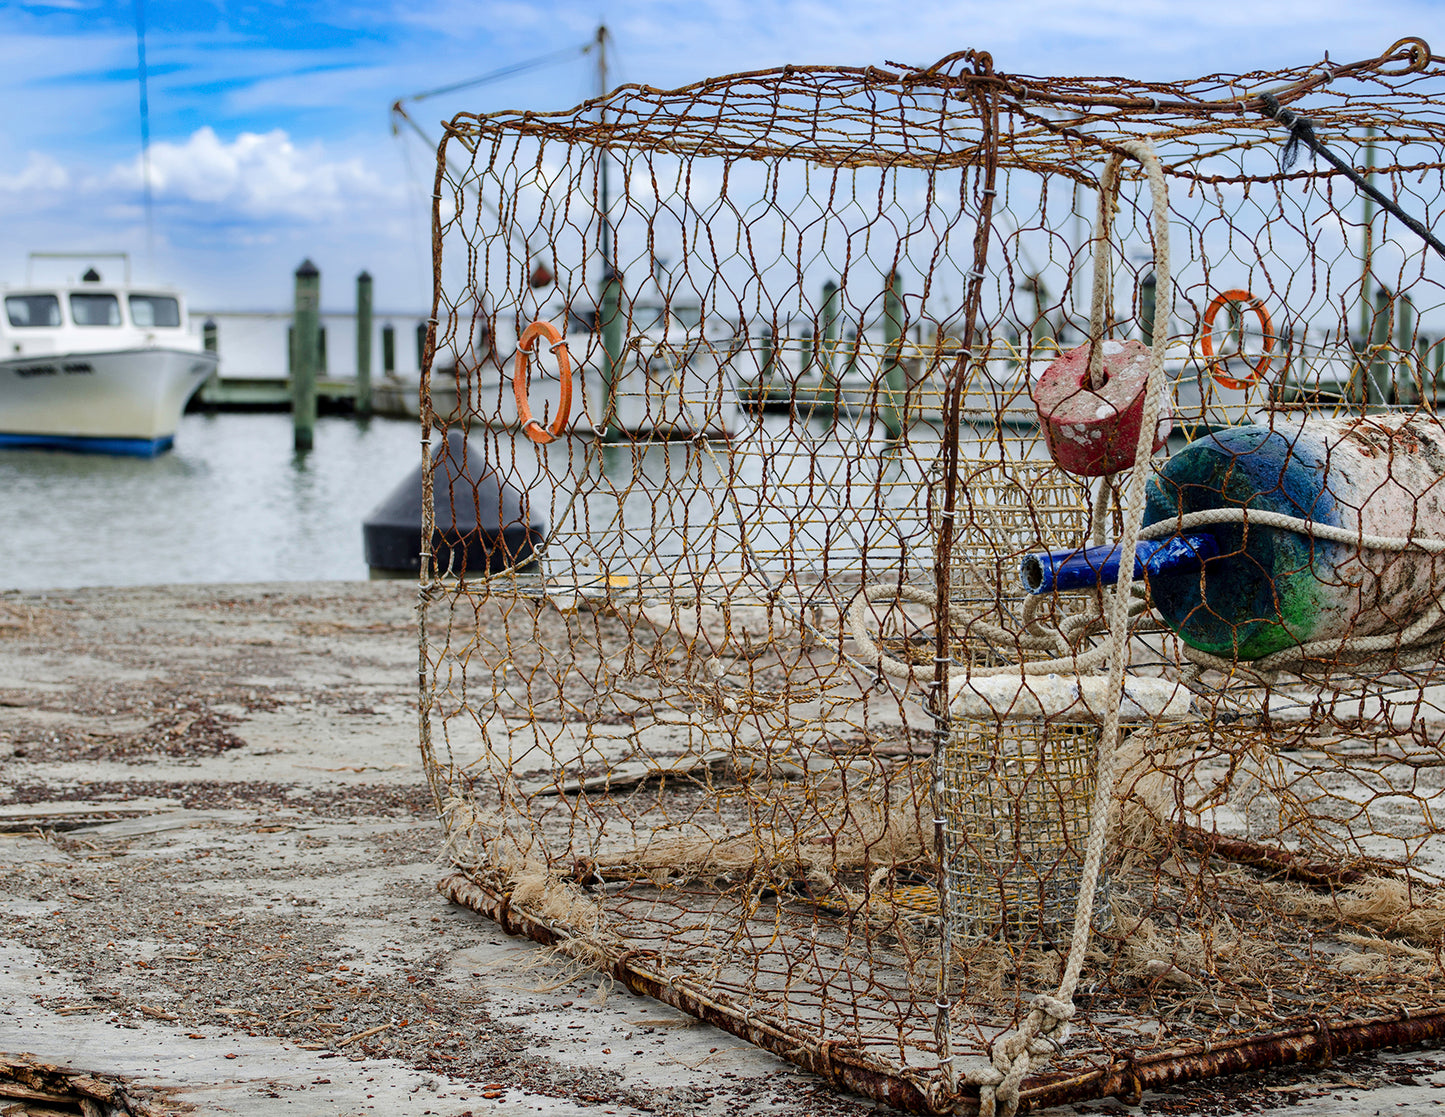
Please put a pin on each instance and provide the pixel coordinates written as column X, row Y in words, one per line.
column 1059, row 1010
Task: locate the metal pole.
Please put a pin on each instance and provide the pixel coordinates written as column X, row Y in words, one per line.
column 363, row 344
column 307, row 354
column 892, row 354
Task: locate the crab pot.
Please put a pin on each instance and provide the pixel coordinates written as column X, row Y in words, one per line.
column 1016, row 798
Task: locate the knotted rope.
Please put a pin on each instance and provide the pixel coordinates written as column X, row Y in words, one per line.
column 1046, row 1027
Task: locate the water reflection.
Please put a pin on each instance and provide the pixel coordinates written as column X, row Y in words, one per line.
column 231, row 503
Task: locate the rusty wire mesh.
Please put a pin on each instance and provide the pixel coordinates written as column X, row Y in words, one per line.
column 804, row 310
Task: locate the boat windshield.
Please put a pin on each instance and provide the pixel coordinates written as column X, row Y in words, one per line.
column 649, row 316
column 95, row 310
column 155, row 310
column 32, row 310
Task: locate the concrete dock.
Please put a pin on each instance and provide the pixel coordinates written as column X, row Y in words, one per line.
column 218, row 861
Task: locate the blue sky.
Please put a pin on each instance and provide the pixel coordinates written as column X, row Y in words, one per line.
column 269, row 122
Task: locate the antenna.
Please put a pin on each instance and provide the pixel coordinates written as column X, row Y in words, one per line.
column 145, row 130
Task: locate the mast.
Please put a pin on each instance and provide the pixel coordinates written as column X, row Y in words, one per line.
column 145, row 128
column 609, row 304
column 606, row 231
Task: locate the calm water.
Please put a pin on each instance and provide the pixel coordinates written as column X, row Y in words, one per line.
column 231, row 503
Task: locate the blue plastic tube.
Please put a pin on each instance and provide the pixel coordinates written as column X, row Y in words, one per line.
column 1091, row 567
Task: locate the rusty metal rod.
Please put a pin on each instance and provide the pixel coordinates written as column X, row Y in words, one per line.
column 1317, row 1042
column 1281, row 861
column 844, row 1068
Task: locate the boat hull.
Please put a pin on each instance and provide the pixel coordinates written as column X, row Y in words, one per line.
column 122, row 402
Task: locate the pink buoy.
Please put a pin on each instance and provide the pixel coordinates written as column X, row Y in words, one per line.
column 1092, row 432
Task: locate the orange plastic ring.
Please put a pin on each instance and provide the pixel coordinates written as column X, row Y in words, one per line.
column 530, row 427
column 1206, row 340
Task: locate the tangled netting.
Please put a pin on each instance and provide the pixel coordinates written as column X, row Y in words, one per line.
column 777, row 654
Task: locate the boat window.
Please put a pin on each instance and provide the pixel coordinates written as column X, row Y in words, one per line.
column 32, row 310
column 154, row 310
column 648, row 317
column 95, row 310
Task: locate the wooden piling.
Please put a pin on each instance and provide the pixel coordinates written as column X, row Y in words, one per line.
column 388, row 350
column 363, row 344
column 1367, row 246
column 610, row 312
column 829, row 330
column 893, row 379
column 1377, row 385
column 307, row 354
column 1407, row 384
column 1148, row 298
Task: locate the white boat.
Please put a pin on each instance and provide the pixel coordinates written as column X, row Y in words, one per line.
column 96, row 366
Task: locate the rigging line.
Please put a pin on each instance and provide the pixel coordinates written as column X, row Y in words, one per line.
column 459, row 174
column 145, row 130
column 505, row 71
column 1302, row 131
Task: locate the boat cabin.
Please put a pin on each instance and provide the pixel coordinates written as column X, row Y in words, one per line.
column 90, row 317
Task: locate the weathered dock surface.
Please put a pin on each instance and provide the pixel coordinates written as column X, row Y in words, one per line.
column 218, row 862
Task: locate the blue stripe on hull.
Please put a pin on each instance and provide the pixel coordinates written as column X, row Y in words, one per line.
column 125, row 447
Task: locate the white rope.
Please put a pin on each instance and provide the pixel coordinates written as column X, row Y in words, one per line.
column 1059, row 639
column 1045, row 1028
column 1259, row 518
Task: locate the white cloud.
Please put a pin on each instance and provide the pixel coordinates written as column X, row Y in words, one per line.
column 40, row 173
column 257, row 176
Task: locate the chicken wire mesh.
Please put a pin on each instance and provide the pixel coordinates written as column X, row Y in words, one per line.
column 714, row 733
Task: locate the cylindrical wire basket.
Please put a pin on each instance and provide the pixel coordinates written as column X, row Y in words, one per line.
column 1016, row 801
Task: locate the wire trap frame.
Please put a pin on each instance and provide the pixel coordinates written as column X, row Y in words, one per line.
column 705, row 739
